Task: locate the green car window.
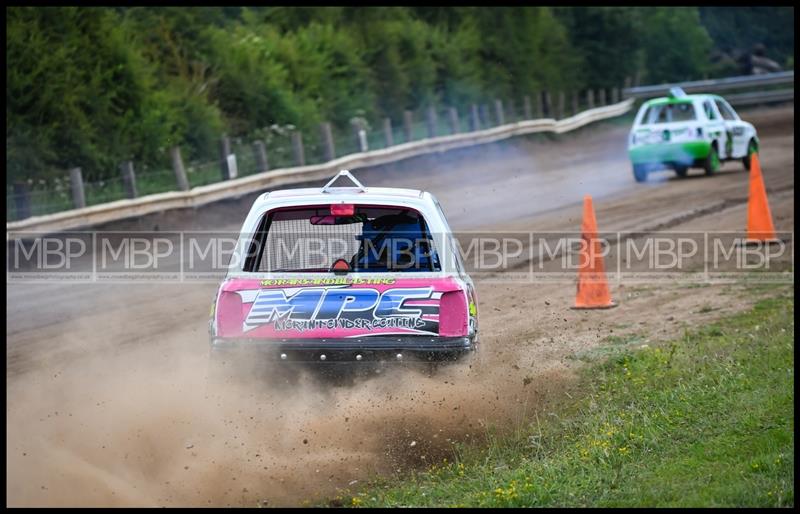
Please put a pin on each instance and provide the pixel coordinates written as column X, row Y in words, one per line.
column 709, row 110
column 669, row 112
column 727, row 114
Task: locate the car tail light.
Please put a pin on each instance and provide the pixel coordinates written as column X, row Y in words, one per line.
column 453, row 314
column 343, row 209
column 229, row 314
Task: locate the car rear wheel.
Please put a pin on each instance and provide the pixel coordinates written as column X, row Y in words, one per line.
column 712, row 163
column 751, row 149
column 681, row 171
column 640, row 172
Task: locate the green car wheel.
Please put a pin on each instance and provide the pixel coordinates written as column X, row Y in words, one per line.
column 751, row 149
column 712, row 163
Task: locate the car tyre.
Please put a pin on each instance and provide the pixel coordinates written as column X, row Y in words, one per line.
column 640, row 172
column 751, row 149
column 712, row 163
column 681, row 171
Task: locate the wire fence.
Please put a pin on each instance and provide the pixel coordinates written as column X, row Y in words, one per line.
column 286, row 147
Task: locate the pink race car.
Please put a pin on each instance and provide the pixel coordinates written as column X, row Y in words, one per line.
column 337, row 274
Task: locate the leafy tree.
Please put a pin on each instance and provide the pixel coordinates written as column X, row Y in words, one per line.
column 618, row 57
column 523, row 49
column 92, row 86
column 738, row 30
column 77, row 94
column 674, row 43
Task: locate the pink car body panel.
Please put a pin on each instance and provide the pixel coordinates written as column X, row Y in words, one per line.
column 341, row 308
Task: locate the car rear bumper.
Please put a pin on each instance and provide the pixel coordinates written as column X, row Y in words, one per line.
column 349, row 349
column 686, row 153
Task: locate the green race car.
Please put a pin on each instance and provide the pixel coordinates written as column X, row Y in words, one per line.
column 683, row 131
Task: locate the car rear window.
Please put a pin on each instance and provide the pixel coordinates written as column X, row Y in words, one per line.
column 371, row 239
column 669, row 112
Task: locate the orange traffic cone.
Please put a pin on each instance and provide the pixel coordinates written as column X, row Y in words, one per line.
column 592, row 284
column 759, row 219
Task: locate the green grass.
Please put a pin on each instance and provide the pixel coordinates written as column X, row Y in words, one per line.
column 611, row 346
column 707, row 420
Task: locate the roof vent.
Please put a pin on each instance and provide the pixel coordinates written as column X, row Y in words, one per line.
column 328, row 188
column 676, row 92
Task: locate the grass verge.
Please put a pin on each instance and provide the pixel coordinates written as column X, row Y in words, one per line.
column 707, row 420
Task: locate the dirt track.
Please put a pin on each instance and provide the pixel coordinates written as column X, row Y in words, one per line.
column 106, row 393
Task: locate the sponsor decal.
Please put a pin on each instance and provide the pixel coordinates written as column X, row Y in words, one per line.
column 409, row 309
column 729, row 144
column 327, row 281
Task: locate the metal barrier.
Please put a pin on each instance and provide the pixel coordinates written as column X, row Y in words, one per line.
column 761, row 97
column 714, row 85
column 198, row 196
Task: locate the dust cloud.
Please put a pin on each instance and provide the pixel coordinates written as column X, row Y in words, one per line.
column 147, row 427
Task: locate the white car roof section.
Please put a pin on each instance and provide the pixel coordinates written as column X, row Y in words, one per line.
column 315, row 196
column 317, row 193
column 331, row 193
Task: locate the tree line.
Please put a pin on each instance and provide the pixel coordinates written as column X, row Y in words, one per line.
column 93, row 86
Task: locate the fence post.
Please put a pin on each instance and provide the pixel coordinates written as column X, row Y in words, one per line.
column 360, row 132
column 432, row 121
column 387, row 132
column 22, row 200
column 76, row 185
column 601, row 97
column 509, row 111
column 180, row 171
column 327, row 141
column 297, row 148
column 128, row 179
column 539, row 106
column 260, row 151
column 474, row 119
column 498, row 109
column 590, row 99
column 615, row 95
column 455, row 126
column 548, row 105
column 485, row 122
column 561, row 105
column 224, row 152
column 574, row 103
column 527, row 107
column 628, row 82
column 408, row 127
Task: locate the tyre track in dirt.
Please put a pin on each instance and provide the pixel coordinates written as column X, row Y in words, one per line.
column 106, row 400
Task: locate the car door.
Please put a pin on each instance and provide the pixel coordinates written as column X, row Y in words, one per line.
column 734, row 127
column 716, row 129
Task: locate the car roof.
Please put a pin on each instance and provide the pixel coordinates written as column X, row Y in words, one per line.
column 368, row 193
column 679, row 99
column 356, row 192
